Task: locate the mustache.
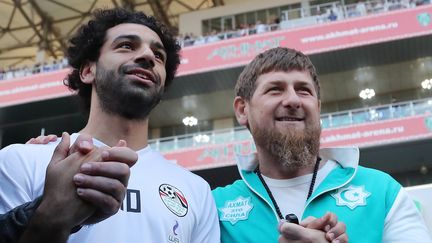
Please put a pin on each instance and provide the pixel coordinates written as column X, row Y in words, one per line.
column 291, row 112
column 124, row 69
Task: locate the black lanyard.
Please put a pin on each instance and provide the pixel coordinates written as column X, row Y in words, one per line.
column 311, row 186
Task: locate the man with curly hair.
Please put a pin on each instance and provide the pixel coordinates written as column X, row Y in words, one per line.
column 121, row 61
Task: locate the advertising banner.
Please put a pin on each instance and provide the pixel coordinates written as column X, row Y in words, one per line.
column 33, row 88
column 312, row 39
column 239, row 51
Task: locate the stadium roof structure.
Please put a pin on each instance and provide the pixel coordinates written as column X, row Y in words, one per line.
column 40, row 28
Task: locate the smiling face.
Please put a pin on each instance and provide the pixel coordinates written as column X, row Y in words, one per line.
column 130, row 74
column 283, row 116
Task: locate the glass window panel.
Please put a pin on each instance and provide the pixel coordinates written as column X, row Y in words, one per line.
column 262, row 16
column 424, row 107
column 383, row 113
column 223, row 137
column 294, row 13
column 403, row 110
column 186, row 142
column 250, row 18
column 240, row 19
column 325, row 122
column 274, row 15
column 228, row 23
column 341, row 120
column 240, row 135
column 359, row 117
column 215, row 24
column 205, row 26
column 167, row 145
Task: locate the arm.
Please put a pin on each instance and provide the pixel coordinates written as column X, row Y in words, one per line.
column 14, row 221
column 60, row 208
column 102, row 193
column 404, row 222
column 207, row 228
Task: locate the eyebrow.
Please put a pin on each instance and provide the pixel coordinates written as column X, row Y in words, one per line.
column 136, row 38
column 129, row 37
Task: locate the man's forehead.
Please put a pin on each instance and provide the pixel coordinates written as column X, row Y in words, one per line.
column 132, row 29
column 291, row 75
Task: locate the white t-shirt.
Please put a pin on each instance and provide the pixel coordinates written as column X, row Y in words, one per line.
column 291, row 194
column 164, row 202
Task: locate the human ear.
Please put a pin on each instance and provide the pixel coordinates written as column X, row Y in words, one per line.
column 88, row 72
column 241, row 110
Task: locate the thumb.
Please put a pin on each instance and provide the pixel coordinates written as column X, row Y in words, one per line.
column 291, row 231
column 319, row 223
column 121, row 143
column 62, row 149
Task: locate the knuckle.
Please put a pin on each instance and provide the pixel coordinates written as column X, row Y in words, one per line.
column 111, row 206
column 124, row 169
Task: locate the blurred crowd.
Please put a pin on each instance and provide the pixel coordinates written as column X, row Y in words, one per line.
column 325, row 13
column 333, row 12
column 18, row 72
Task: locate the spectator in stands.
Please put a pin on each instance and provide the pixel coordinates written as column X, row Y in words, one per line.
column 243, row 30
column 260, row 27
column 213, row 37
column 332, row 16
column 278, row 100
column 2, row 74
column 337, row 11
column 273, row 23
column 200, row 40
column 188, row 39
column 361, row 8
column 122, row 62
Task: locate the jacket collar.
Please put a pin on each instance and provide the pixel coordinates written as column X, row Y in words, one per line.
column 347, row 159
column 344, row 156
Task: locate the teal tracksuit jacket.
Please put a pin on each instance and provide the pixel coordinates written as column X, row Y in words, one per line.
column 364, row 199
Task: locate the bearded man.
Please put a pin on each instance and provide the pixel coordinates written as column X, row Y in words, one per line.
column 278, row 100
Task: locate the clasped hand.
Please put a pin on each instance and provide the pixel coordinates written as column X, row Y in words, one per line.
column 85, row 184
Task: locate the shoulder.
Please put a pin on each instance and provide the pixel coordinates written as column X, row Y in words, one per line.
column 238, row 188
column 375, row 176
column 25, row 158
column 25, row 153
column 171, row 170
column 378, row 182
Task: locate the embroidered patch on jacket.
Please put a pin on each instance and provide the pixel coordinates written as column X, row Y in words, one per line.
column 236, row 210
column 351, row 196
column 173, row 199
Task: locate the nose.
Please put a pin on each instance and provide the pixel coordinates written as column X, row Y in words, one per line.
column 145, row 57
column 291, row 99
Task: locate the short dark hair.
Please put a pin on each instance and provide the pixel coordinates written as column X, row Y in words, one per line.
column 275, row 59
column 85, row 46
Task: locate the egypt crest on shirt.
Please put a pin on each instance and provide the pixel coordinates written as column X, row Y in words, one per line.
column 173, row 199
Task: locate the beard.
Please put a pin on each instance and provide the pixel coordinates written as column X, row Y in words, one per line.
column 294, row 149
column 123, row 97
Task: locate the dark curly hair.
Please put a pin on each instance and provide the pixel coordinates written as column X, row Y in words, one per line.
column 85, row 46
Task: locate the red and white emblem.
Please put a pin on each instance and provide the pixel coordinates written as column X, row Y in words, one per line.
column 173, row 199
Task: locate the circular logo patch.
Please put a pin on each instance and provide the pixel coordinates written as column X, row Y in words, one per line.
column 173, row 199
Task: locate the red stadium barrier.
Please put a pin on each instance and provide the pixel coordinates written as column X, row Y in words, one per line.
column 237, row 52
column 314, row 39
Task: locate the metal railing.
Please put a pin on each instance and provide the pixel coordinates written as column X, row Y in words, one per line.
column 330, row 120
